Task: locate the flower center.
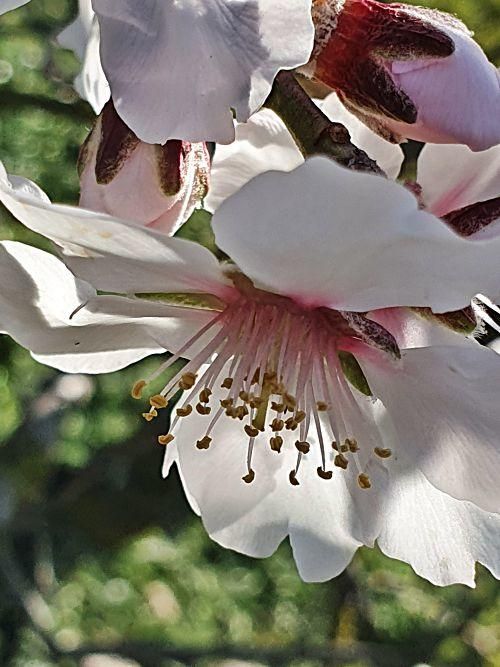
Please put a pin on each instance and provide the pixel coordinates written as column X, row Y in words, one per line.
column 278, row 369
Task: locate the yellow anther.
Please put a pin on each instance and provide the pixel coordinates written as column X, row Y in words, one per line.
column 276, row 443
column 137, row 389
column 226, row 402
column 158, row 401
column 321, row 406
column 382, row 452
column 303, row 447
column 364, row 481
column 324, row 474
column 251, row 431
column 249, row 477
column 277, row 407
column 277, row 424
column 341, row 462
column 184, row 411
column 149, row 416
column 205, row 394
column 293, row 478
column 203, row 409
column 165, row 439
column 204, row 443
column 291, row 424
column 352, row 444
column 227, row 384
column 299, row 416
column 187, row 381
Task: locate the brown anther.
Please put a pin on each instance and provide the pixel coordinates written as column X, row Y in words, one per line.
column 137, row 389
column 255, row 377
column 203, row 409
column 303, row 447
column 293, row 478
column 205, row 394
column 249, row 477
column 321, row 406
column 187, row 381
column 341, row 462
column 299, row 416
column 226, row 402
column 256, row 401
column 241, row 412
column 244, row 396
column 184, row 411
column 289, row 401
column 382, row 452
column 277, row 424
column 291, row 424
column 204, row 443
column 364, row 481
column 344, row 448
column 276, row 443
column 158, row 401
column 251, row 431
column 165, row 439
column 232, row 412
column 324, row 474
column 277, row 407
column 335, row 446
column 352, row 444
column 227, row 384
column 149, row 416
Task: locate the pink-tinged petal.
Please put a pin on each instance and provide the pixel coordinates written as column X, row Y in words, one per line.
column 226, row 55
column 442, row 403
column 325, row 235
column 113, row 255
column 453, row 177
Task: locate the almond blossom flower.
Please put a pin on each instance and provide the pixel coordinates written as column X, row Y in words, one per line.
column 158, row 186
column 300, row 414
column 407, row 71
column 176, row 69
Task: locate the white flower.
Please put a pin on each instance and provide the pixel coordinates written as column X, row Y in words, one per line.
column 82, row 37
column 176, row 69
column 278, row 341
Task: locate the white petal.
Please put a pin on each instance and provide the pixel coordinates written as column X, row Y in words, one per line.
column 113, row 255
column 262, row 144
column 7, row 5
column 325, row 235
column 440, row 537
column 443, row 403
column 221, row 54
column 453, row 177
column 389, row 157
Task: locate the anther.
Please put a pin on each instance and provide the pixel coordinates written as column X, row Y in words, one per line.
column 341, row 462
column 256, row 401
column 321, row 406
column 276, row 443
column 352, row 444
column 244, row 396
column 324, row 474
column 149, row 416
column 203, row 409
column 249, row 477
column 227, row 384
column 204, row 443
column 335, row 446
column 251, row 431
column 277, row 424
column 291, row 424
column 255, row 377
column 344, row 448
column 299, row 416
column 137, row 389
column 241, row 412
column 158, row 401
column 184, row 411
column 293, row 478
column 277, row 407
column 187, row 381
column 303, row 447
column 364, row 481
column 382, row 452
column 289, row 401
column 205, row 394
column 165, row 439
column 227, row 402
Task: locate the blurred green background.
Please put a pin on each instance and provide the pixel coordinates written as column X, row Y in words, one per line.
column 99, row 555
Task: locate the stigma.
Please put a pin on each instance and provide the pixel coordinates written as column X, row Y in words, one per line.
column 277, row 370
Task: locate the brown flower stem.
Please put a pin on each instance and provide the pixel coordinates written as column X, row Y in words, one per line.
column 312, row 131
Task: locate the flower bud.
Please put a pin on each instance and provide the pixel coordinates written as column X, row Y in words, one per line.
column 157, row 186
column 407, row 72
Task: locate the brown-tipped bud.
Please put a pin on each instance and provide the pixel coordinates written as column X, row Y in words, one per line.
column 157, row 186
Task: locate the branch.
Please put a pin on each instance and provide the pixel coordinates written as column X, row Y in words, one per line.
column 313, row 132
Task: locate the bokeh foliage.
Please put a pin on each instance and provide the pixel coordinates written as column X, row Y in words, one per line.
column 96, row 550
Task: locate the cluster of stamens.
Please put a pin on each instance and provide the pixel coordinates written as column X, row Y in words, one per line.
column 277, row 372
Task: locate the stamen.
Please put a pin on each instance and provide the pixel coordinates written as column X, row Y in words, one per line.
column 324, row 474
column 137, row 389
column 204, row 443
column 187, row 381
column 203, row 409
column 158, row 401
column 276, row 443
column 149, row 416
column 185, row 411
column 227, row 384
column 165, row 439
column 303, row 447
column 364, row 481
column 341, row 462
column 383, row 452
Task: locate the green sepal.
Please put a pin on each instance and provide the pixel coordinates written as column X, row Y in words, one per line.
column 352, row 371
